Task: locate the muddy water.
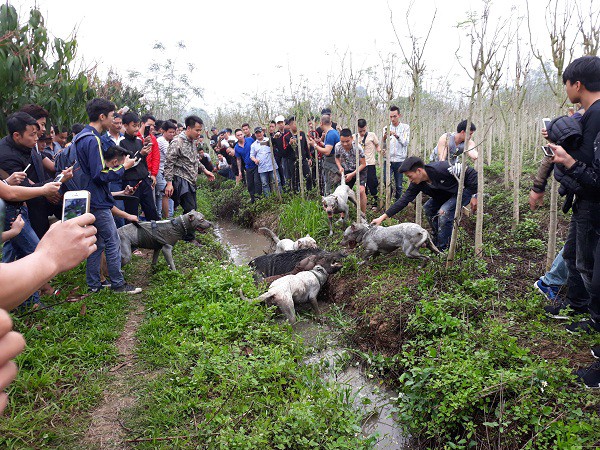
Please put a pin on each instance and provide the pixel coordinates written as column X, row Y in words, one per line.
column 373, row 400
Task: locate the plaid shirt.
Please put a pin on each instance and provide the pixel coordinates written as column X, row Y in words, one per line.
column 348, row 158
column 182, row 159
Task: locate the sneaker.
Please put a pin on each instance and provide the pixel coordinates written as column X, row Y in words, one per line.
column 560, row 310
column 590, row 375
column 95, row 290
column 596, row 351
column 127, row 289
column 105, row 284
column 585, row 326
column 551, row 293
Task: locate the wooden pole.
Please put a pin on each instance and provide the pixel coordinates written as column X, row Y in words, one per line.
column 274, row 169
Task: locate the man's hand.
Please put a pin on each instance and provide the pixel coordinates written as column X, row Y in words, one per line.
column 68, row 243
column 132, row 218
column 238, row 178
column 379, row 219
column 209, row 175
column 169, row 189
column 545, row 134
column 153, row 178
column 561, row 156
column 16, row 178
column 51, row 189
column 18, row 224
column 129, row 190
column 473, row 204
column 350, row 176
column 536, row 199
column 67, row 174
column 146, row 149
column 11, row 344
column 129, row 162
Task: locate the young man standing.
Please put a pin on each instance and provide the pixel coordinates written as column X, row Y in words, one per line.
column 330, row 138
column 370, row 144
column 138, row 175
column 294, row 138
column 242, row 153
column 260, row 153
column 153, row 158
column 96, row 179
column 452, row 145
column 168, row 133
column 277, row 140
column 345, row 159
column 441, row 185
column 181, row 168
column 399, row 134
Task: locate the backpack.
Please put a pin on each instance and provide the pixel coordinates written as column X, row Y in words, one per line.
column 68, row 158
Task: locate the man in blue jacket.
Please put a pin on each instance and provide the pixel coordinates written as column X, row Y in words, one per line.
column 96, row 178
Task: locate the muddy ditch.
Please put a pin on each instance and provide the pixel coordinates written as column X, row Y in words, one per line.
column 335, row 362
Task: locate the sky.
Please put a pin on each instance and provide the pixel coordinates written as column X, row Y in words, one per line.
column 242, row 48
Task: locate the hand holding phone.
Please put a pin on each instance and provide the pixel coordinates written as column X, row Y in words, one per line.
column 546, row 123
column 75, row 204
column 548, row 151
column 146, row 131
column 137, row 186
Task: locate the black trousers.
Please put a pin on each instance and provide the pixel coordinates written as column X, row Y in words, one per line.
column 146, row 195
column 188, row 203
column 372, row 181
column 581, row 253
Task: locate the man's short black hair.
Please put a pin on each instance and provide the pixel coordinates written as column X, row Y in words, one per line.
column 147, row 117
column 76, row 128
column 346, row 132
column 191, row 121
column 158, row 124
column 394, row 108
column 130, row 116
column 58, row 130
column 117, row 115
column 273, row 122
column 229, row 130
column 291, row 119
column 585, row 70
column 114, row 152
column 18, row 122
column 245, row 124
column 35, row 111
column 236, row 130
column 98, row 106
column 462, row 126
column 173, row 121
column 362, row 123
column 411, row 164
column 168, row 125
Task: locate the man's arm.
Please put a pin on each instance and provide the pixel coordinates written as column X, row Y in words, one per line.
column 21, row 194
column 408, row 196
column 405, row 137
column 441, row 148
column 472, row 152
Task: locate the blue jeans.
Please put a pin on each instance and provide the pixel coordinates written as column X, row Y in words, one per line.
column 115, row 186
column 109, row 242
column 440, row 214
column 266, row 178
column 558, row 273
column 398, row 177
column 159, row 192
column 21, row 245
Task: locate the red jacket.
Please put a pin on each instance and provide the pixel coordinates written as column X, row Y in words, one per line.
column 153, row 158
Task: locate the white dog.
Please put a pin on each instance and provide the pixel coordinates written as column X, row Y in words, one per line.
column 337, row 203
column 295, row 289
column 286, row 245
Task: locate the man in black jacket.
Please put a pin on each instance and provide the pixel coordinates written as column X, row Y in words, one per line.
column 138, row 175
column 439, row 181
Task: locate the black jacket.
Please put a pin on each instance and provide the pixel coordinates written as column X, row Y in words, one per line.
column 133, row 145
column 14, row 158
column 442, row 186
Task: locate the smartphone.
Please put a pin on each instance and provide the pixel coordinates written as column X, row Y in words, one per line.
column 546, row 123
column 75, row 204
column 125, row 109
column 59, row 178
column 147, row 131
column 137, row 185
column 547, row 150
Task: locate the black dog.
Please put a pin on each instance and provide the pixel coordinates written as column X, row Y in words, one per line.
column 306, row 259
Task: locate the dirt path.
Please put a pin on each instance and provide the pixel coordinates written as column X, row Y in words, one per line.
column 106, row 431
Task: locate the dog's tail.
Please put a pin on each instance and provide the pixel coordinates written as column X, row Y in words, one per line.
column 270, row 234
column 430, row 245
column 351, row 196
column 260, row 299
column 343, row 179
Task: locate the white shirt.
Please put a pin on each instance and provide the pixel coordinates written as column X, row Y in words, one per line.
column 399, row 145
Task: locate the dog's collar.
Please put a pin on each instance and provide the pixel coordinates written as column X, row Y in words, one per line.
column 182, row 223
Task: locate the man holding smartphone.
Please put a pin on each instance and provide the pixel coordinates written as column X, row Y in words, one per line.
column 96, row 179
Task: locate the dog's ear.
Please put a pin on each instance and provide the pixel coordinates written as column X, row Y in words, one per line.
column 353, row 227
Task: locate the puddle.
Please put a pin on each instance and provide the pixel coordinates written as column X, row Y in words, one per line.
column 372, row 399
column 244, row 244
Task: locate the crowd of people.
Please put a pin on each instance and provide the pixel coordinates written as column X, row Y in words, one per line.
column 130, row 163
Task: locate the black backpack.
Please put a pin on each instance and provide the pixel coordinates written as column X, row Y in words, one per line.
column 68, row 158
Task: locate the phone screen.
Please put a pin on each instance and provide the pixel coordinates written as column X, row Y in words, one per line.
column 74, row 207
column 147, row 131
column 547, row 150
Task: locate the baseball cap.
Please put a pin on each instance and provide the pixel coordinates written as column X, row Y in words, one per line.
column 326, row 111
column 408, row 163
column 279, row 118
column 225, row 143
column 258, row 130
